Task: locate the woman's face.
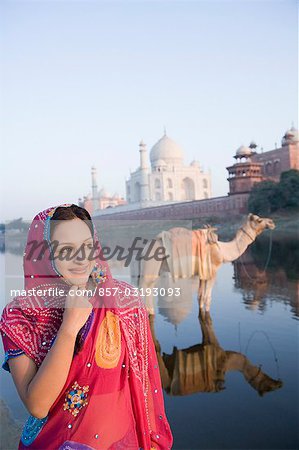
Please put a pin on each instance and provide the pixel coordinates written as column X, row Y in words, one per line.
column 72, row 249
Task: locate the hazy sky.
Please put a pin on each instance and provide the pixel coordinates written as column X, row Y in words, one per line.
column 84, row 81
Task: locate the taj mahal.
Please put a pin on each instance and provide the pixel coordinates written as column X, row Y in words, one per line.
column 165, row 180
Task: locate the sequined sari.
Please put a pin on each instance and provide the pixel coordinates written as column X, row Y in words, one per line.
column 112, row 398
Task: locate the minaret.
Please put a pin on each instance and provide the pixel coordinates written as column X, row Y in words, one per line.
column 144, row 187
column 94, row 188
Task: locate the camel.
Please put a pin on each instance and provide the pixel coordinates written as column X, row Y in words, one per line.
column 202, row 367
column 190, row 253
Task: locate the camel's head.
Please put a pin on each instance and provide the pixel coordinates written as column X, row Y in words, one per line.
column 259, row 224
column 263, row 384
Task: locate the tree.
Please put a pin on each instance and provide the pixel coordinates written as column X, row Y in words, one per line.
column 261, row 197
column 267, row 196
column 289, row 188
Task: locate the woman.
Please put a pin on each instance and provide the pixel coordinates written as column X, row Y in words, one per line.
column 84, row 366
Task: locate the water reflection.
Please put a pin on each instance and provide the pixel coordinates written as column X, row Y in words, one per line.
column 280, row 282
column 260, row 287
column 202, row 367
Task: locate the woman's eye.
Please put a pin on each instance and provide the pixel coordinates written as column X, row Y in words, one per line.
column 88, row 246
column 65, row 249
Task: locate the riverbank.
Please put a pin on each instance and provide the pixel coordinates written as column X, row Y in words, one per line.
column 286, row 225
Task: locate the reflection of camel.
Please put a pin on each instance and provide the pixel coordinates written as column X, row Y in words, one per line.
column 202, row 367
column 197, row 252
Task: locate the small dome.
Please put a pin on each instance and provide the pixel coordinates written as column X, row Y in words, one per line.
column 167, row 150
column 195, row 163
column 243, row 151
column 104, row 193
column 291, row 137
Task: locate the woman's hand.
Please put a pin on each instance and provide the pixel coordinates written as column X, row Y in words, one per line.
column 77, row 310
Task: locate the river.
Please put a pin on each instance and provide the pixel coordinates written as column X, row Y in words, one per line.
column 230, row 377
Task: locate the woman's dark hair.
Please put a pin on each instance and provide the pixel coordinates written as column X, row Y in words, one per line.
column 69, row 213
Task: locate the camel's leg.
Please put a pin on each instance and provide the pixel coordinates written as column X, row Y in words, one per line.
column 206, row 324
column 210, row 284
column 202, row 293
column 205, row 293
column 149, row 272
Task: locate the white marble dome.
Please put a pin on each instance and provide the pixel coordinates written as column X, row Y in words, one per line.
column 167, row 150
column 243, row 151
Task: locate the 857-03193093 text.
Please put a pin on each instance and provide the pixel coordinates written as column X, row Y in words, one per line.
column 109, row 291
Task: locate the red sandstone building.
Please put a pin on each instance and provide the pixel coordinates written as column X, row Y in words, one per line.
column 252, row 167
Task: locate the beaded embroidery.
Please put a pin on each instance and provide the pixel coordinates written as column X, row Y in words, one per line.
column 31, row 429
column 75, row 399
column 99, row 274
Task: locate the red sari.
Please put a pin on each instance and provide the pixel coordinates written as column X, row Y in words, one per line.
column 113, row 397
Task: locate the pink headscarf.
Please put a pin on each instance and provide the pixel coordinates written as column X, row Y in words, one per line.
column 32, row 323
